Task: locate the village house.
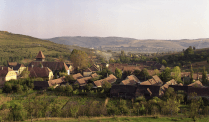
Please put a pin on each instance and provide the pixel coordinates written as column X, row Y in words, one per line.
column 155, row 80
column 77, row 76
column 7, row 74
column 40, row 85
column 166, row 86
column 130, row 80
column 40, row 72
column 82, row 81
column 18, row 68
column 54, row 66
column 87, row 72
column 111, row 79
column 197, row 84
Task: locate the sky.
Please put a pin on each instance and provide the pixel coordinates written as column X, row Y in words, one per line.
column 139, row 19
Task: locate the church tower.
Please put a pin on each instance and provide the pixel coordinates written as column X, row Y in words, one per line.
column 40, row 56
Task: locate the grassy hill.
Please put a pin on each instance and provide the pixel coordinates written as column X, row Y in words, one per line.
column 16, row 47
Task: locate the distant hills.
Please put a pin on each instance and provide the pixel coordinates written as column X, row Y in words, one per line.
column 120, row 42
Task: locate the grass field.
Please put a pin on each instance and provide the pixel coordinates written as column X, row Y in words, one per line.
column 121, row 119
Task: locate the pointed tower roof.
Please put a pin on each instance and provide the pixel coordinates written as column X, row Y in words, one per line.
column 40, row 55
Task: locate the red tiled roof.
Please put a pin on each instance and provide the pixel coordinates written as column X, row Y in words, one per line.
column 111, row 78
column 83, row 81
column 4, row 71
column 40, row 55
column 157, row 79
column 51, row 65
column 12, row 63
column 77, row 76
column 94, row 75
column 196, row 84
column 56, row 81
column 87, row 70
column 39, row 72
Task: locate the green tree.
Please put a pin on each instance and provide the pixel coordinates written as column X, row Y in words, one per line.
column 79, row 59
column 69, row 89
column 89, row 86
column 17, row 112
column 25, row 73
column 118, row 73
column 166, row 75
column 204, row 76
column 106, row 86
column 136, row 73
column 196, row 102
column 164, row 62
column 189, row 51
column 144, row 74
column 177, row 74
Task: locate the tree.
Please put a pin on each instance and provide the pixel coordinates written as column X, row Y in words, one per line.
column 69, row 89
column 164, row 62
column 89, row 86
column 166, row 75
column 156, row 72
column 204, row 76
column 25, row 73
column 79, row 59
column 136, row 73
column 144, row 74
column 17, row 113
column 106, row 86
column 118, row 73
column 177, row 73
column 126, row 73
column 188, row 51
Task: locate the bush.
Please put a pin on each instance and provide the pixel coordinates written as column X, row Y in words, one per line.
column 17, row 113
column 4, row 106
column 1, row 91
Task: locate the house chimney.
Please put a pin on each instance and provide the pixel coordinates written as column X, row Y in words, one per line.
column 41, row 66
column 2, row 68
column 32, row 66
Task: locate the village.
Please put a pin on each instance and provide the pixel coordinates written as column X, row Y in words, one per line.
column 127, row 87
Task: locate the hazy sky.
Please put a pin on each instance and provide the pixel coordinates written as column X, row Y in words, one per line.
column 140, row 19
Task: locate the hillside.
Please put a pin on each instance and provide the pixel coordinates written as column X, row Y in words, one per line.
column 149, row 44
column 16, row 47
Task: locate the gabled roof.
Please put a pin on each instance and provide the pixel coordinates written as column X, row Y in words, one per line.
column 4, row 71
column 196, row 84
column 39, row 72
column 56, row 81
column 133, row 78
column 94, row 68
column 166, row 85
column 157, row 79
column 77, row 76
column 40, row 55
column 83, row 81
column 51, row 65
column 87, row 70
column 12, row 64
column 111, row 79
column 15, row 65
column 94, row 75
column 98, row 83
